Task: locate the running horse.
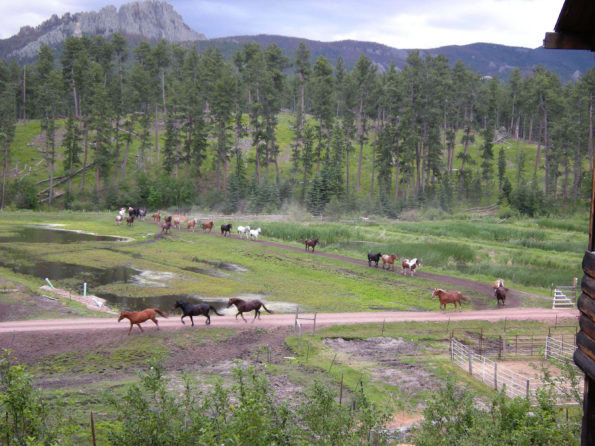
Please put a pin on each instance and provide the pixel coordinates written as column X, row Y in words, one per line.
column 410, row 265
column 390, row 260
column 195, row 310
column 374, row 258
column 208, row 226
column 311, row 243
column 226, row 229
column 138, row 317
column 449, row 297
column 243, row 306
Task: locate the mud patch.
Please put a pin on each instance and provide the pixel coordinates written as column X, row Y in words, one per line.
column 225, row 266
column 372, row 349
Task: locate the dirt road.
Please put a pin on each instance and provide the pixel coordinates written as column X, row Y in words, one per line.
column 287, row 320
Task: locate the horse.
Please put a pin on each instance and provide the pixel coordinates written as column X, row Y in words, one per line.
column 389, row 259
column 243, row 306
column 449, row 297
column 122, row 212
column 157, row 217
column 165, row 227
column 226, row 229
column 195, row 310
column 130, row 220
column 118, row 219
column 254, row 233
column 410, row 265
column 374, row 258
column 496, row 284
column 501, row 294
column 176, row 222
column 191, row 224
column 142, row 213
column 138, row 317
column 311, row 243
column 208, row 226
column 243, row 230
column 167, row 219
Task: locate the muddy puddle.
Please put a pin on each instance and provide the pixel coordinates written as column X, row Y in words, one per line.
column 47, row 234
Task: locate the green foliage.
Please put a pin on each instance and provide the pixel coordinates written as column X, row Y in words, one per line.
column 22, row 194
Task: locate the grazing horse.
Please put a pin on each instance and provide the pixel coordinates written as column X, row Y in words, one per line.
column 254, row 233
column 165, row 227
column 390, row 260
column 118, row 219
column 374, row 258
column 191, row 224
column 195, row 310
column 138, row 317
column 410, row 265
column 208, row 226
column 157, row 217
column 243, row 230
column 449, row 297
column 130, row 220
column 311, row 243
column 501, row 294
column 243, row 306
column 226, row 229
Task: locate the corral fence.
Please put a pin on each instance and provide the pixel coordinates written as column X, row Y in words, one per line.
column 499, row 376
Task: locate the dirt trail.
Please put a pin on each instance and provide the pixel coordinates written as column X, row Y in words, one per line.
column 287, row 320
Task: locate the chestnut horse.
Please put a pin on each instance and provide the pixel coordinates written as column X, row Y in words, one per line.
column 138, row 317
column 208, row 226
column 501, row 294
column 449, row 297
column 374, row 258
column 390, row 260
column 243, row 306
column 195, row 310
column 130, row 220
column 165, row 227
column 157, row 217
column 191, row 224
column 311, row 243
column 410, row 265
column 226, row 229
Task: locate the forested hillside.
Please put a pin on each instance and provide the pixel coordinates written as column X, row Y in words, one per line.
column 164, row 125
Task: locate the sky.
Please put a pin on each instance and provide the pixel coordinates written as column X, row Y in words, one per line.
column 404, row 24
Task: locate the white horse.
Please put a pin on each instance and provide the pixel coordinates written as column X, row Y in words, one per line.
column 410, row 265
column 122, row 212
column 243, row 231
column 254, row 233
column 119, row 219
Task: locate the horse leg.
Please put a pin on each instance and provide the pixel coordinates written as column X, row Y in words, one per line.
column 242, row 314
column 192, row 319
column 156, row 323
column 130, row 329
column 182, row 319
column 141, row 328
column 208, row 321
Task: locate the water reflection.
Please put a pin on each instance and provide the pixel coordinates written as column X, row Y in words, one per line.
column 34, row 234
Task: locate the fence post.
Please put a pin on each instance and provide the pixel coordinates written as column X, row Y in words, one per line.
column 547, row 352
column 93, row 429
column 496, row 376
column 500, row 347
column 314, row 326
column 504, row 345
column 528, row 392
column 470, row 364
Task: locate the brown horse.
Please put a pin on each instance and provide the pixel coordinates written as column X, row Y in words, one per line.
column 167, row 219
column 130, row 221
column 165, row 227
column 191, row 224
column 138, row 317
column 208, row 226
column 244, row 306
column 157, row 217
column 449, row 297
column 311, row 243
column 501, row 294
column 176, row 222
column 390, row 260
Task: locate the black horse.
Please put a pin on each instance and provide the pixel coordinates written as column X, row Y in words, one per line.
column 374, row 258
column 195, row 310
column 226, row 229
column 500, row 293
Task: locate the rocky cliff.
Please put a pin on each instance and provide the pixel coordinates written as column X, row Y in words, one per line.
column 150, row 20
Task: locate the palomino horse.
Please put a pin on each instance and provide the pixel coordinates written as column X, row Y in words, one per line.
column 390, row 260
column 208, row 226
column 449, row 297
column 138, row 317
column 243, row 231
column 226, row 229
column 501, row 294
column 191, row 224
column 157, row 217
column 243, row 306
column 410, row 265
column 195, row 310
column 311, row 243
column 374, row 258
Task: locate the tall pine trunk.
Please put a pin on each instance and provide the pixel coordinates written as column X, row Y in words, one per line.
column 374, row 154
column 538, row 156
column 86, row 144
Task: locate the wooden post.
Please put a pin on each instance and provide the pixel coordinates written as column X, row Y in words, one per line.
column 495, row 376
column 93, row 429
column 314, row 326
column 500, row 347
column 470, row 364
column 528, row 391
column 383, row 326
column 341, row 391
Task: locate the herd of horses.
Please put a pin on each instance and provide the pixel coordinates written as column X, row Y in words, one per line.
column 190, row 310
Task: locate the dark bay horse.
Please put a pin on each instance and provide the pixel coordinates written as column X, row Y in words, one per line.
column 311, row 243
column 226, row 229
column 374, row 258
column 130, row 220
column 138, row 317
column 501, row 294
column 195, row 310
column 208, row 226
column 449, row 297
column 243, row 306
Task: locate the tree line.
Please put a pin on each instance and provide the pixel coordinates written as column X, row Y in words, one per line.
column 203, row 126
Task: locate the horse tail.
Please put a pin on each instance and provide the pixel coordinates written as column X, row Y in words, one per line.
column 158, row 311
column 215, row 311
column 267, row 309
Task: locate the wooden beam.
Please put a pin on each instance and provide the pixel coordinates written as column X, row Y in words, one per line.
column 568, row 41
